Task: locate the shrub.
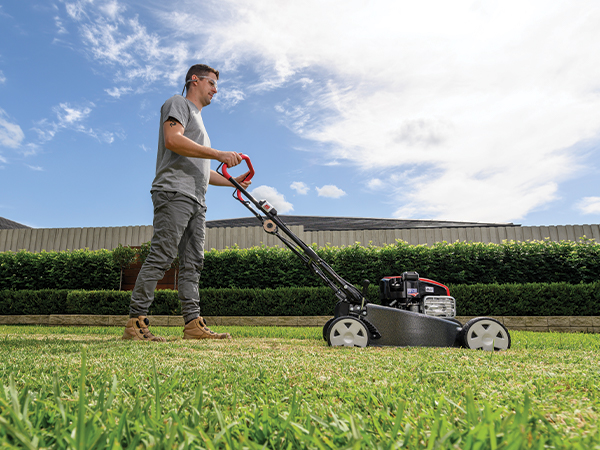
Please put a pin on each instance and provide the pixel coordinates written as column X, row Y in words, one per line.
column 77, row 269
column 533, row 299
column 272, row 267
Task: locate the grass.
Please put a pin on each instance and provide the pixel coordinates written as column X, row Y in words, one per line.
column 278, row 388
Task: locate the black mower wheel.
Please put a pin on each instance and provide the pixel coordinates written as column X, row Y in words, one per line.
column 347, row 331
column 485, row 333
column 326, row 328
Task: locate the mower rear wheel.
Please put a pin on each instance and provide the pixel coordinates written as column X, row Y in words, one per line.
column 326, row 328
column 485, row 333
column 347, row 331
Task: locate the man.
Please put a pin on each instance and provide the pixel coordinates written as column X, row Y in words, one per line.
column 178, row 194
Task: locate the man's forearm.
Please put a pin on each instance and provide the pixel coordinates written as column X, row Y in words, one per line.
column 218, row 180
column 186, row 147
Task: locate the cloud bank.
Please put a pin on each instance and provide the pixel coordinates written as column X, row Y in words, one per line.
column 474, row 109
column 468, row 109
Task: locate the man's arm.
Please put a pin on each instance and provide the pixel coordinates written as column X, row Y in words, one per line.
column 217, row 179
column 182, row 145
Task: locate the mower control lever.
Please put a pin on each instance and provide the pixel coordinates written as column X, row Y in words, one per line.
column 248, row 178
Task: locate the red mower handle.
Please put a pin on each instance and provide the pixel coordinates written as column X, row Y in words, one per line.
column 248, row 177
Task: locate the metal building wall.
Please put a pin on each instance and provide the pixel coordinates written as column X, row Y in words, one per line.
column 58, row 239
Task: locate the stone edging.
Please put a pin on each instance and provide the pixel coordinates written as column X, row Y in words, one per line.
column 561, row 324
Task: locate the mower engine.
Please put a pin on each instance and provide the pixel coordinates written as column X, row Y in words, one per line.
column 419, row 295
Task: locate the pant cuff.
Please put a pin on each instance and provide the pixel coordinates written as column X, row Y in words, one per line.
column 190, row 317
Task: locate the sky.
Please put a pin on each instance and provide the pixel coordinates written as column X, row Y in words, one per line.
column 483, row 110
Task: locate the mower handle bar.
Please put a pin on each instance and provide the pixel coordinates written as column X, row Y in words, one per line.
column 248, row 178
column 310, row 258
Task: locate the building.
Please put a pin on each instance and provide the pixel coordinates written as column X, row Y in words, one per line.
column 336, row 231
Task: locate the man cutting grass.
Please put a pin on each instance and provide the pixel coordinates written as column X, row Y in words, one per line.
column 178, row 194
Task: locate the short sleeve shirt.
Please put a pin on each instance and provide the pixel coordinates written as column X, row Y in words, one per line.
column 177, row 173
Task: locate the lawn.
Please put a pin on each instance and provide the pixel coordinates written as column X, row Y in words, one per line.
column 285, row 388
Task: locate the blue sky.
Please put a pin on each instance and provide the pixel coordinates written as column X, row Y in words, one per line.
column 467, row 110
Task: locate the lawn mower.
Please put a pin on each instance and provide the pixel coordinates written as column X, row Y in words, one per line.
column 414, row 311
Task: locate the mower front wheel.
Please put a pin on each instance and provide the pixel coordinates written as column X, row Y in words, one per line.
column 485, row 333
column 347, row 331
column 326, row 328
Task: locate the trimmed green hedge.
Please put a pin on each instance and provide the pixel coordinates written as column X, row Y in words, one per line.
column 458, row 263
column 27, row 302
column 78, row 269
column 532, row 299
column 214, row 302
column 272, row 267
column 535, row 299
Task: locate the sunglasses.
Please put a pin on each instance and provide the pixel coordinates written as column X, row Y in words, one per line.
column 212, row 82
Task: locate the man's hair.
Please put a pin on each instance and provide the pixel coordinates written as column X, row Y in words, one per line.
column 200, row 70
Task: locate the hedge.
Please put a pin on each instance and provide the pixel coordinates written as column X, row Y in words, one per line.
column 214, row 302
column 78, row 269
column 534, row 299
column 458, row 263
column 272, row 267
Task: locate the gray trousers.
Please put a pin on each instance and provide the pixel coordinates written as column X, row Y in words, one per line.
column 179, row 225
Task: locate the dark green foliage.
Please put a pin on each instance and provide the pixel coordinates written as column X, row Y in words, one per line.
column 214, row 302
column 77, row 269
column 44, row 302
column 534, row 299
column 271, row 267
column 124, row 257
column 458, row 263
column 98, row 302
column 255, row 268
column 267, row 302
column 166, row 302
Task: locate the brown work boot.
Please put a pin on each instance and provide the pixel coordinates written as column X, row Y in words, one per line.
column 137, row 329
column 197, row 329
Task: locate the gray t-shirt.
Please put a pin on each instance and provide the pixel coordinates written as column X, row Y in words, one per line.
column 176, row 173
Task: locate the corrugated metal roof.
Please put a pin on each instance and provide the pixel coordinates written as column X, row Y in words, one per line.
column 6, row 224
column 317, row 223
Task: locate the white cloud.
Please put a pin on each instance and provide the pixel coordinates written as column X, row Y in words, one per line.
column 11, row 134
column 589, row 205
column 300, row 187
column 331, row 191
column 486, row 99
column 35, row 168
column 71, row 117
column 375, row 183
column 229, row 97
column 113, row 38
column 29, row 149
column 273, row 197
column 485, row 102
column 2, row 78
column 112, row 9
column 76, row 9
column 117, row 92
column 294, row 117
column 45, row 130
column 60, row 26
column 67, row 117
